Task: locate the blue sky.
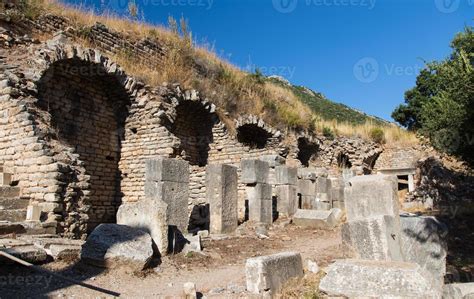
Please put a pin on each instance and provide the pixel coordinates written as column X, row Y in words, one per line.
column 363, row 53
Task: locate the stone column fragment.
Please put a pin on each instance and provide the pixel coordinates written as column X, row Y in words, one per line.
column 221, row 192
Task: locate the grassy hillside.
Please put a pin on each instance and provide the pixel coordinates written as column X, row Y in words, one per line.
column 329, row 110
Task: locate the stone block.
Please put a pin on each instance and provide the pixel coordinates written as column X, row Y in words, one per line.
column 28, row 253
column 167, row 170
column 147, row 215
column 260, row 191
column 371, row 195
column 459, row 291
column 111, row 245
column 261, row 211
column 285, row 175
column 423, row 242
column 175, row 195
column 307, row 187
column 65, row 252
column 307, row 202
column 378, row 279
column 33, row 213
column 287, row 200
column 338, row 204
column 322, row 185
column 317, row 219
column 322, row 206
column 5, row 179
column 222, row 196
column 254, row 171
column 269, row 273
column 273, row 160
column 374, row 238
column 306, row 174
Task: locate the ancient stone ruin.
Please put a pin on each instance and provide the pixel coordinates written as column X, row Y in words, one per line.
column 118, row 172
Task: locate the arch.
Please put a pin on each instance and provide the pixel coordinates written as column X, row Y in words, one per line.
column 253, row 136
column 306, row 150
column 193, row 125
column 84, row 97
column 343, row 161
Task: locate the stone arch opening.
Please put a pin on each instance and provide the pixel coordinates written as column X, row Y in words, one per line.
column 369, row 163
column 87, row 108
column 193, row 126
column 253, row 136
column 343, row 161
column 306, row 150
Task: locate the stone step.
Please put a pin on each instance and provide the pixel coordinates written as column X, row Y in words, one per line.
column 16, row 215
column 5, row 179
column 9, row 192
column 13, row 203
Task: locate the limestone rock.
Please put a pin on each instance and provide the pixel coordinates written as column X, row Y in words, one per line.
column 317, row 219
column 148, row 215
column 254, row 171
column 110, row 245
column 269, row 273
column 458, row 291
column 378, row 279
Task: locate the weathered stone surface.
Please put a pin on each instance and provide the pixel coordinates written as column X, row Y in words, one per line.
column 378, row 279
column 374, row 238
column 285, row 175
column 321, row 205
column 113, row 244
column 307, row 174
column 371, row 195
column 254, row 171
column 287, row 200
column 175, row 195
column 64, row 251
column 307, row 202
column 221, row 192
column 148, row 215
column 5, row 179
column 28, row 253
column 167, row 170
column 423, row 242
column 307, row 187
column 317, row 219
column 273, row 160
column 269, row 273
column 189, row 290
column 322, row 185
column 261, row 211
column 33, row 213
column 458, row 291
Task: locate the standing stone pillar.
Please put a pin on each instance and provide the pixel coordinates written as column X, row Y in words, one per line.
column 373, row 228
column 259, row 192
column 168, row 180
column 411, row 183
column 221, row 193
column 286, row 191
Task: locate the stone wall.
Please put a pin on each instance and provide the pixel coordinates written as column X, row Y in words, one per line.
column 398, row 158
column 76, row 131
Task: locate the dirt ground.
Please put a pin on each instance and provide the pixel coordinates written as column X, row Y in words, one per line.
column 218, row 272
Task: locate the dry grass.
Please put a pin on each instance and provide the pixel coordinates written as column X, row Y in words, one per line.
column 306, row 287
column 393, row 135
column 232, row 90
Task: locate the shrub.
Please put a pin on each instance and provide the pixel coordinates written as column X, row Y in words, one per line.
column 377, row 135
column 328, row 133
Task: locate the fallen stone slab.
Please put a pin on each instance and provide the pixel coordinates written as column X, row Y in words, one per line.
column 371, row 195
column 64, row 252
column 267, row 274
column 458, row 291
column 148, row 215
column 317, row 219
column 423, row 242
column 374, row 238
column 111, row 245
column 28, row 253
column 378, row 279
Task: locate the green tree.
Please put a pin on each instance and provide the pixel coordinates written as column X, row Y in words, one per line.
column 441, row 105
